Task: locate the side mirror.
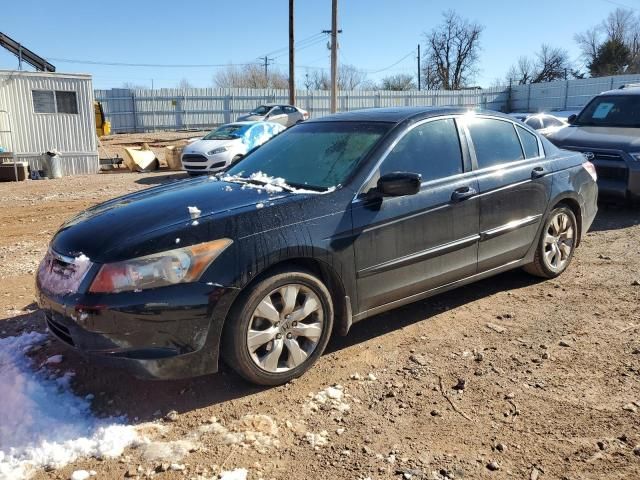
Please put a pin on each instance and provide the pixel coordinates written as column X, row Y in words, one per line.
column 572, row 118
column 398, row 184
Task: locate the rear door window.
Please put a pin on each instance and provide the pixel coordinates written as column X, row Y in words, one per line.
column 495, row 142
column 529, row 143
column 431, row 149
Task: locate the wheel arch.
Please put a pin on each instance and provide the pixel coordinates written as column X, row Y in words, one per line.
column 325, row 273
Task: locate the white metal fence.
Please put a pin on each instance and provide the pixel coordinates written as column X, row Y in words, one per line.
column 202, row 108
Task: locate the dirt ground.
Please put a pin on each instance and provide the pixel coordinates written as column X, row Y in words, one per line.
column 547, row 372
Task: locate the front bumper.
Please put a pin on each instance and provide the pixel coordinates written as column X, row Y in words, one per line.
column 200, row 162
column 166, row 333
column 618, row 173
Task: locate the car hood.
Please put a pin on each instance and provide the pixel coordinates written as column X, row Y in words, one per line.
column 159, row 219
column 613, row 138
column 204, row 146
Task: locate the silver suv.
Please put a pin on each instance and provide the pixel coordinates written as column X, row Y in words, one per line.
column 607, row 132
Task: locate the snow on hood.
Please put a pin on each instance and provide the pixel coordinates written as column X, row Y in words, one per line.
column 204, row 146
column 271, row 184
column 42, row 423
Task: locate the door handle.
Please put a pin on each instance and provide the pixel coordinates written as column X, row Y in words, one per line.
column 463, row 193
column 538, row 172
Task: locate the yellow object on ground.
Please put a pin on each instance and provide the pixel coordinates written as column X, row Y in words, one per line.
column 103, row 127
column 139, row 160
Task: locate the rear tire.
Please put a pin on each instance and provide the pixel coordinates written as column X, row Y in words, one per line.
column 278, row 328
column 556, row 244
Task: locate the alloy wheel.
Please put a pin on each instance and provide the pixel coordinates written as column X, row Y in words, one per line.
column 558, row 241
column 285, row 328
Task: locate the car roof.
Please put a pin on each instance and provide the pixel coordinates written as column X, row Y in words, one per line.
column 628, row 90
column 275, row 105
column 400, row 114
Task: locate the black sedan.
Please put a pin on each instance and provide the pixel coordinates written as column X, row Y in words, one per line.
column 329, row 223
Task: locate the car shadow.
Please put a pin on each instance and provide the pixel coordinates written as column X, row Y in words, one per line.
column 116, row 392
column 423, row 310
column 615, row 216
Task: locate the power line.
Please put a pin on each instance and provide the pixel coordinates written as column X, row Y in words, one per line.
column 299, row 43
column 153, row 65
column 412, row 52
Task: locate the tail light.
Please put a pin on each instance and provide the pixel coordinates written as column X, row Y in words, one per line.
column 591, row 169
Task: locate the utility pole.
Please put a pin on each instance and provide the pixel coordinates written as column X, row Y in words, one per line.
column 418, row 67
column 334, row 56
column 292, row 69
column 266, row 62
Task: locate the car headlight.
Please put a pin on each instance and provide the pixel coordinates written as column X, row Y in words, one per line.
column 635, row 156
column 215, row 151
column 182, row 265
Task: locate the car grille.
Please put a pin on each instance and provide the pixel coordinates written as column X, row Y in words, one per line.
column 195, row 167
column 59, row 330
column 612, row 157
column 190, row 157
column 609, row 165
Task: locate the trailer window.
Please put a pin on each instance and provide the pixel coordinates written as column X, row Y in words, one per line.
column 59, row 101
column 44, row 101
column 66, row 102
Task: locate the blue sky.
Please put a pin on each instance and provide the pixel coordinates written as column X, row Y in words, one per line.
column 377, row 34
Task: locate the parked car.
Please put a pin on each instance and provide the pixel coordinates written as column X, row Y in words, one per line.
column 543, row 123
column 330, row 222
column 607, row 132
column 286, row 115
column 225, row 145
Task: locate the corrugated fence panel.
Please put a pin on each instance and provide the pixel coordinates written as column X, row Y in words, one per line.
column 203, row 108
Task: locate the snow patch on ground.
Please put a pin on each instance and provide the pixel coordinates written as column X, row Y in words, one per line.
column 42, row 423
column 331, row 398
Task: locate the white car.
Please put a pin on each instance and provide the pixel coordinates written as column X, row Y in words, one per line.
column 226, row 145
column 544, row 123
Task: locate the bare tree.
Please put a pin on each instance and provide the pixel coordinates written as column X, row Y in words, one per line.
column 401, row 81
column 522, row 72
column 184, row 83
column 349, row 78
column 549, row 64
column 452, row 52
column 134, row 86
column 552, row 63
column 610, row 41
column 249, row 76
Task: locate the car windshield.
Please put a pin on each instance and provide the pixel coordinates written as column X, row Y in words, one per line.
column 313, row 155
column 611, row 111
column 261, row 110
column 226, row 132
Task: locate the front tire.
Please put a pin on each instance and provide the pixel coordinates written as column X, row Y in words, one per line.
column 556, row 244
column 278, row 328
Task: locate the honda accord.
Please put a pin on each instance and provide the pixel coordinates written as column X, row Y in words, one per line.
column 333, row 221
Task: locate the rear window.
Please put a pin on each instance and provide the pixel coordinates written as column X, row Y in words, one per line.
column 495, row 141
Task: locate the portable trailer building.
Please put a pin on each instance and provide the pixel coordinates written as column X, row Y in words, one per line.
column 49, row 111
